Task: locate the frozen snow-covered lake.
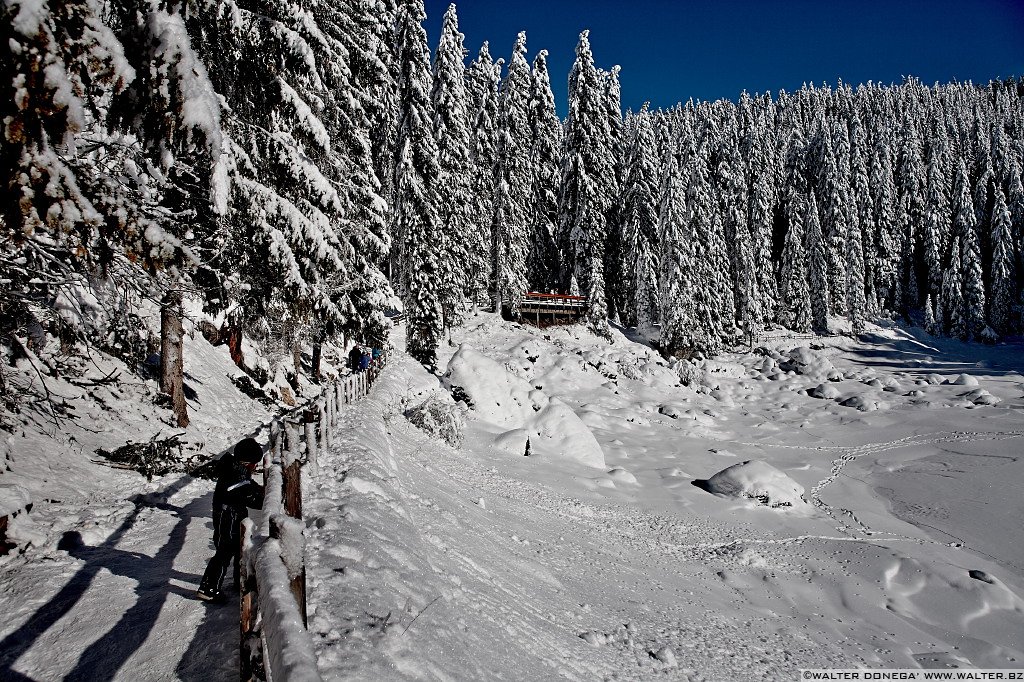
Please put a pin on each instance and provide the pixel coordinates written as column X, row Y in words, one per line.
column 480, row 562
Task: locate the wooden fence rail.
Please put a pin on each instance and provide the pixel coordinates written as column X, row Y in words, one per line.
column 272, row 611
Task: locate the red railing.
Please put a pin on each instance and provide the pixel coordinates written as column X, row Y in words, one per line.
column 567, row 300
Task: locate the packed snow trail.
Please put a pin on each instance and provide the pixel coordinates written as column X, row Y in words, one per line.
column 106, row 591
column 123, row 607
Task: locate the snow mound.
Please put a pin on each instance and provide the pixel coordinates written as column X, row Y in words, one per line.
column 965, row 380
column 980, row 396
column 500, row 398
column 759, row 481
column 824, row 392
column 557, row 430
column 489, row 389
column 808, row 362
column 621, row 475
column 864, row 403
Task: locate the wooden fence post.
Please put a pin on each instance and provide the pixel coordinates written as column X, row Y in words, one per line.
column 298, row 583
column 309, row 427
column 247, row 609
column 325, row 425
column 291, row 472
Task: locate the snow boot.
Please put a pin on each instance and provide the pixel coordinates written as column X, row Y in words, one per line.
column 215, row 596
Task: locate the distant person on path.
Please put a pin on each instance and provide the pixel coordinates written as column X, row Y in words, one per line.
column 355, row 356
column 364, row 361
column 234, row 495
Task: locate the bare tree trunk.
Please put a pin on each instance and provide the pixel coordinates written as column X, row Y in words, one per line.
column 172, row 341
column 317, row 356
column 234, row 341
column 297, row 356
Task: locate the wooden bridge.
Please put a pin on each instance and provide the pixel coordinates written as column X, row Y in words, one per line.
column 545, row 310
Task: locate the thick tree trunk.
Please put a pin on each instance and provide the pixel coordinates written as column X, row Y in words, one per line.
column 172, row 340
column 233, row 330
column 297, row 358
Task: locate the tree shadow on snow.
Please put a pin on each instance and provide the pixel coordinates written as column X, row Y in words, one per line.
column 917, row 352
column 104, row 658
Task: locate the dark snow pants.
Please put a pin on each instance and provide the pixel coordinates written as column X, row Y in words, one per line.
column 226, row 539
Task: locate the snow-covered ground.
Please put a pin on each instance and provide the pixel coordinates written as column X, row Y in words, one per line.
column 877, row 522
column 905, row 549
column 106, row 588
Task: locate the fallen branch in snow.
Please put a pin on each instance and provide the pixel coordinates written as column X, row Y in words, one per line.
column 111, row 378
column 424, row 610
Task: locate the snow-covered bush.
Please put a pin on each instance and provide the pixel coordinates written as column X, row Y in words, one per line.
column 689, row 373
column 439, row 416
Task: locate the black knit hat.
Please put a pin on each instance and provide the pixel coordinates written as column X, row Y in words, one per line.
column 248, row 450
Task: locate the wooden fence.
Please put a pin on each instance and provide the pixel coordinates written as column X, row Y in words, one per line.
column 274, row 642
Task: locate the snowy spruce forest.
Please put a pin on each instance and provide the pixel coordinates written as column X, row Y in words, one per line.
column 296, row 166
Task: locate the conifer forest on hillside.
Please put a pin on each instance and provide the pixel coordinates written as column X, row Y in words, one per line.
column 298, row 168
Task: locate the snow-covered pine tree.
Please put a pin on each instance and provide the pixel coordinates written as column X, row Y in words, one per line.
column 911, row 183
column 713, row 313
column 365, row 293
column 1004, row 275
column 72, row 190
column 646, row 303
column 454, row 138
column 676, row 280
column 937, row 219
column 513, row 178
column 954, row 320
column 733, row 205
column 794, row 294
column 289, row 245
column 545, row 150
column 970, row 255
column 1015, row 203
column 983, row 176
column 640, row 206
column 864, row 212
column 482, row 79
column 761, row 221
column 373, row 48
column 817, row 268
column 856, row 299
column 173, row 109
column 581, row 206
column 611, row 180
column 415, row 214
column 886, row 230
column 930, row 325
column 834, row 191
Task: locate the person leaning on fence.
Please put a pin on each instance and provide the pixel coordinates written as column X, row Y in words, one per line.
column 234, row 495
column 354, row 357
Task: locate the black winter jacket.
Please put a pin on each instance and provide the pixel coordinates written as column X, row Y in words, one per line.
column 234, row 495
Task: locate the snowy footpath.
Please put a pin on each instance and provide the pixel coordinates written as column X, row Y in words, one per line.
column 106, row 589
column 120, row 604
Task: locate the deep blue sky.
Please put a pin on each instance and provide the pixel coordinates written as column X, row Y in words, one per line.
column 672, row 50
